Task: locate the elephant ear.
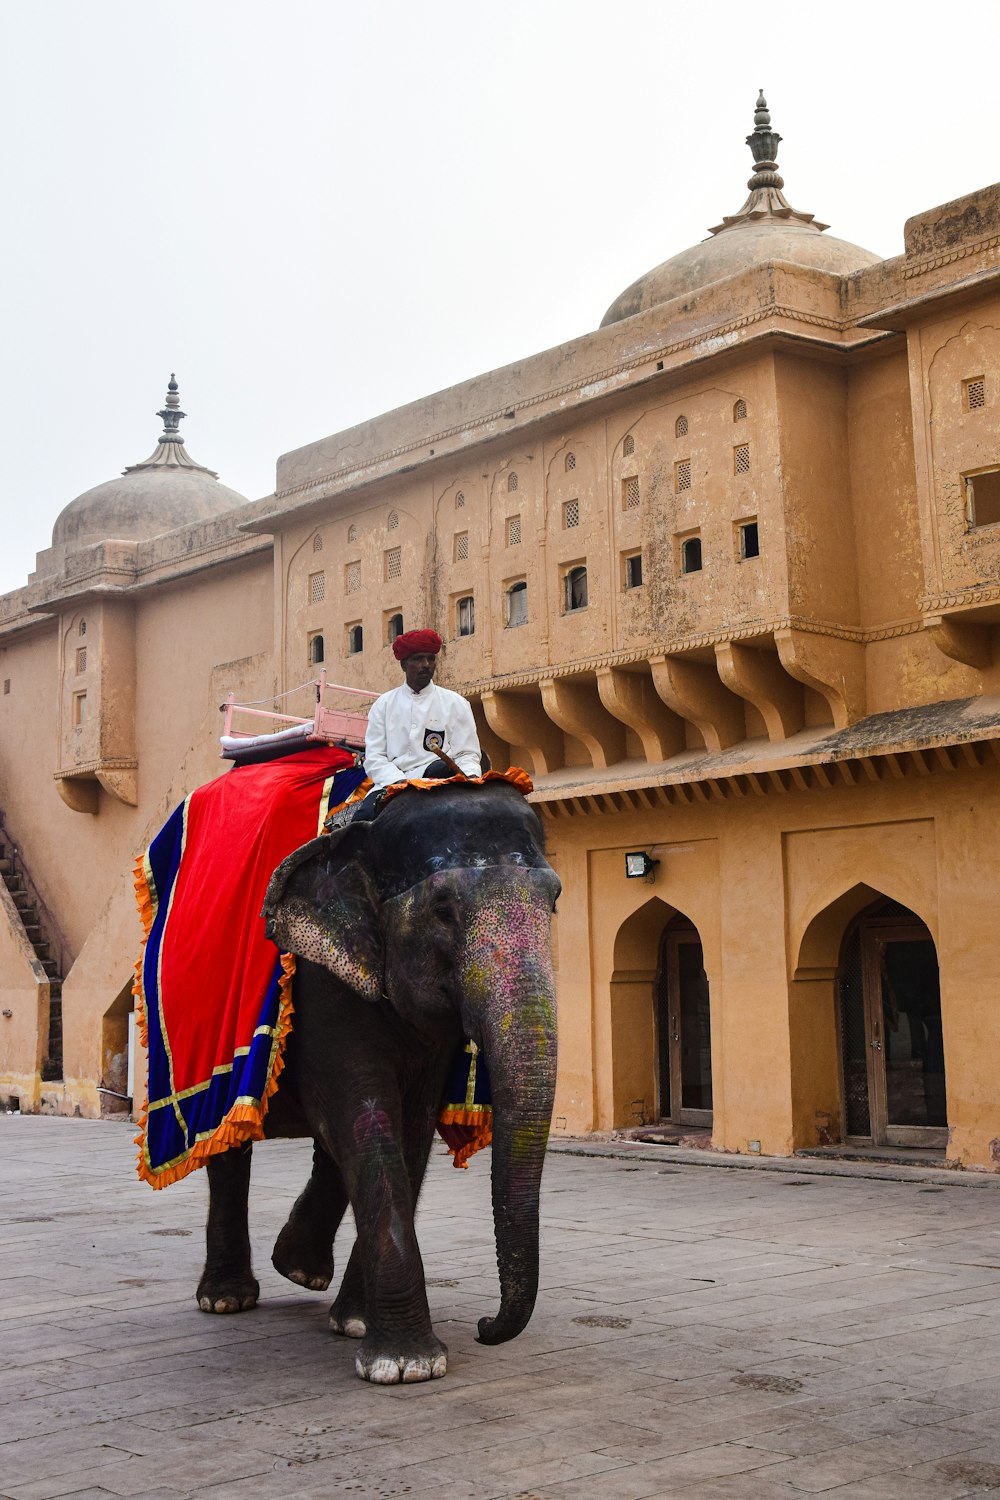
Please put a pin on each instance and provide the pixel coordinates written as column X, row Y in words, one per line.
column 319, row 905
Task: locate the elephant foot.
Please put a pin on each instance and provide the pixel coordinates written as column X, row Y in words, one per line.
column 351, row 1324
column 227, row 1294
column 301, row 1259
column 384, row 1365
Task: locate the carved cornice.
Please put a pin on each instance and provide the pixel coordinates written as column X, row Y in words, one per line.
column 947, row 257
column 99, row 763
column 935, row 604
column 588, row 387
column 679, row 645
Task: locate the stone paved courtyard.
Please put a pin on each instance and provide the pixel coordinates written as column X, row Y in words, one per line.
column 701, row 1331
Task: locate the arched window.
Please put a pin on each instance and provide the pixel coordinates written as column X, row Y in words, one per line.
column 681, row 427
column 628, row 446
column 355, row 640
column 352, row 533
column 517, row 604
column 740, row 411
column 316, row 650
column 393, row 520
column 317, row 543
column 465, row 616
column 83, row 627
column 691, row 555
column 570, row 461
column 511, row 483
column 393, row 628
column 575, row 586
column 460, row 500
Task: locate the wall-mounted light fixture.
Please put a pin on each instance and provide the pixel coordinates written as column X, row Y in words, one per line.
column 639, row 865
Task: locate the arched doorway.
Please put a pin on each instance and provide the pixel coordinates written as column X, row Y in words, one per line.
column 683, row 1027
column 892, row 1051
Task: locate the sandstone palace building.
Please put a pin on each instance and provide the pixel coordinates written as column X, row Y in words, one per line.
column 723, row 575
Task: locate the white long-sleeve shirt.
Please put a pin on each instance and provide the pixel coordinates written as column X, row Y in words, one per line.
column 400, row 724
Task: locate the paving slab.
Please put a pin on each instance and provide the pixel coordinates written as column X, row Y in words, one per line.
column 699, row 1332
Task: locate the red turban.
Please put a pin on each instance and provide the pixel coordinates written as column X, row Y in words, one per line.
column 416, row 643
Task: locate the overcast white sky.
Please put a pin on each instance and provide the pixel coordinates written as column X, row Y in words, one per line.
column 315, row 211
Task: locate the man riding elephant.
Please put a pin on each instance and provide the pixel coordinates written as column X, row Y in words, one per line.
column 419, row 723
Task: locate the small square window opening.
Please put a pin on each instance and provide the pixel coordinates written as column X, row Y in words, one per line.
column 633, row 570
column 316, row 650
column 575, row 589
column 465, row 616
column 749, row 539
column 974, row 392
column 355, row 639
column 982, row 493
column 516, row 605
column 691, row 555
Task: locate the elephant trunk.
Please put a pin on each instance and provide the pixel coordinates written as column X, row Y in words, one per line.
column 510, row 988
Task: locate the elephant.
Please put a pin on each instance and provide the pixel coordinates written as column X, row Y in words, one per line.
column 425, row 926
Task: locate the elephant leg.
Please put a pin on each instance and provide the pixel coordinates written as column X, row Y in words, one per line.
column 348, row 1313
column 227, row 1283
column 303, row 1250
column 399, row 1343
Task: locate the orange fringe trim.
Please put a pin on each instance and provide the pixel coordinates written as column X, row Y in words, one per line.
column 244, row 1122
column 515, row 776
column 481, row 1119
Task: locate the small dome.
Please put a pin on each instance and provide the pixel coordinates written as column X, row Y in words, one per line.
column 766, row 228
column 166, row 490
column 726, row 255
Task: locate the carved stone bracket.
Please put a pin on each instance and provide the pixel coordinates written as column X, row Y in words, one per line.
column 694, row 690
column 759, row 677
column 961, row 640
column 520, row 720
column 81, row 793
column 632, row 698
column 574, row 706
column 835, row 668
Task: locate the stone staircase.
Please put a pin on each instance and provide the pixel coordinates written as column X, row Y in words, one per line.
column 15, row 879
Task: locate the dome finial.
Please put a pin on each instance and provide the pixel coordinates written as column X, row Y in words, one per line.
column 766, row 200
column 170, row 452
column 764, row 143
column 171, row 414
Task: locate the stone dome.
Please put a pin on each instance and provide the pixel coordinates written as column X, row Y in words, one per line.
column 766, row 228
column 166, row 490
